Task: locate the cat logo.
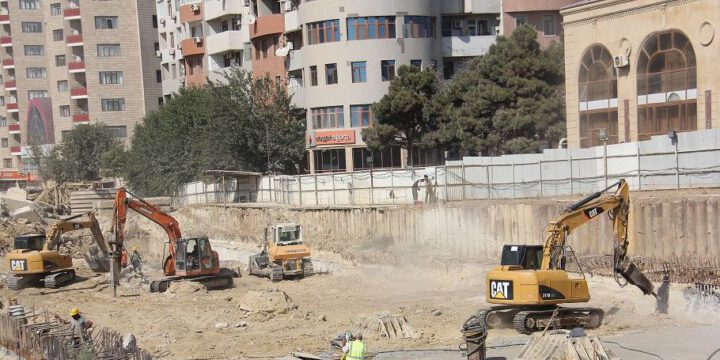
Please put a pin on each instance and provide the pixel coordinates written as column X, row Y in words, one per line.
column 502, row 290
column 591, row 213
column 18, row 265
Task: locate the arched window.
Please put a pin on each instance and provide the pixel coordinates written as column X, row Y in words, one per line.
column 598, row 98
column 666, row 85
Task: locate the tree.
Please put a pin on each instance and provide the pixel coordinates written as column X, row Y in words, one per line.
column 114, row 161
column 405, row 114
column 507, row 101
column 79, row 156
column 237, row 123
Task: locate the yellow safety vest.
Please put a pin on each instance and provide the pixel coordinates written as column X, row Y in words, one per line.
column 356, row 350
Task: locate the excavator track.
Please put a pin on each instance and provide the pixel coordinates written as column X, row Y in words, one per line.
column 222, row 280
column 19, row 282
column 527, row 320
column 307, row 267
column 58, row 279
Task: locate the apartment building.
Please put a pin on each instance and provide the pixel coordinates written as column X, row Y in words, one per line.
column 337, row 57
column 543, row 15
column 73, row 62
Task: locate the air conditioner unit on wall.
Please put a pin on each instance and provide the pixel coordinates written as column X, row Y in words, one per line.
column 457, row 24
column 288, row 5
column 162, row 21
column 194, row 7
column 158, row 53
column 171, row 51
column 197, row 39
column 622, row 61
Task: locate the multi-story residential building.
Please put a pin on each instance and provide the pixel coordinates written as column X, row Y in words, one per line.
column 337, row 57
column 72, row 62
column 543, row 15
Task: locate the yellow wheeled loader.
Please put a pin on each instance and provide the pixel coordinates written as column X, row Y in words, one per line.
column 284, row 254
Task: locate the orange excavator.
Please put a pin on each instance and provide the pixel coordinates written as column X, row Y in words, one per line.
column 189, row 259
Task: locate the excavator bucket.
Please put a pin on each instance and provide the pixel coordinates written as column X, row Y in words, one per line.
column 559, row 345
column 97, row 260
column 634, row 276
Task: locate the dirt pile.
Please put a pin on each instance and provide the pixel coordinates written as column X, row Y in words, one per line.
column 185, row 288
column 267, row 301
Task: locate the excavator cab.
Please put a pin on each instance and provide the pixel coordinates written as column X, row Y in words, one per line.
column 287, row 234
column 32, row 242
column 193, row 255
column 528, row 257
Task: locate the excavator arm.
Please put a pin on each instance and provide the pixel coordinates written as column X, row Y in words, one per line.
column 617, row 206
column 123, row 202
column 96, row 261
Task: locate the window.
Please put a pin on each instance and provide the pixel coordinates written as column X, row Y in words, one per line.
column 64, row 110
column 154, row 21
column 4, row 142
column 484, row 28
column 111, row 77
column 416, row 63
column 7, row 163
column 157, row 46
column 323, row 32
column 359, row 72
column 361, row 116
column 387, row 158
column 160, row 101
column 2, row 103
column 36, row 72
column 106, row 22
column 328, row 117
column 666, row 85
column 64, row 134
column 313, row 76
column 119, row 131
column 58, row 35
column 62, row 86
column 379, row 27
column 158, row 76
column 387, row 70
column 31, row 26
column 520, row 20
column 472, row 29
column 112, row 104
column 60, row 60
column 29, row 4
column 34, row 50
column 598, row 85
column 419, row 27
column 448, row 70
column 331, row 76
column 329, row 160
column 105, row 50
column 549, row 25
column 56, row 9
column 34, row 94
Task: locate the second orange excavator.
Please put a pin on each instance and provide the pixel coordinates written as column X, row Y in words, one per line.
column 188, row 259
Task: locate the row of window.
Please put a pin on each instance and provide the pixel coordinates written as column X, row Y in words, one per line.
column 371, row 27
column 359, row 71
column 332, row 117
column 333, row 160
column 106, row 77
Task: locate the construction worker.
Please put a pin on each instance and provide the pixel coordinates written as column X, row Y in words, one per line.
column 79, row 326
column 17, row 311
column 347, row 339
column 357, row 349
column 136, row 260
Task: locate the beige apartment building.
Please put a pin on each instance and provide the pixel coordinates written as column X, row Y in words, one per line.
column 73, row 62
column 337, row 57
column 640, row 68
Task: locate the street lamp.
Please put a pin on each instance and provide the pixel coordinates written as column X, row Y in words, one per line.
column 603, row 136
column 672, row 134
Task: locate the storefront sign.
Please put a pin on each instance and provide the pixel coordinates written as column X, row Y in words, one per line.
column 337, row 137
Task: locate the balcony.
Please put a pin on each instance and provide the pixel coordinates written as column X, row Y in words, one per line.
column 15, row 150
column 12, row 107
column 224, row 41
column 6, row 41
column 295, row 60
column 266, row 25
column 72, row 13
column 192, row 12
column 214, row 9
column 190, row 47
column 14, row 129
column 11, row 85
column 8, row 63
column 76, row 67
column 298, row 96
column 81, row 118
column 292, row 21
column 467, row 45
column 78, row 93
column 4, row 19
column 74, row 40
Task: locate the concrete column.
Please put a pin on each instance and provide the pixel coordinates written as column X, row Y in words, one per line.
column 311, row 161
column 349, row 162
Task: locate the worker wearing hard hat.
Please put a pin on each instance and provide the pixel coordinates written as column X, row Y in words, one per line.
column 136, row 260
column 79, row 326
column 356, row 349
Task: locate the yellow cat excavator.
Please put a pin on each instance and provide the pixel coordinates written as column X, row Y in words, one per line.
column 531, row 281
column 36, row 257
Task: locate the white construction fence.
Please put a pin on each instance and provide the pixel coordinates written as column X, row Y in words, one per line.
column 693, row 161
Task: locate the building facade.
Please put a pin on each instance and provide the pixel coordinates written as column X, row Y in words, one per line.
column 72, row 62
column 640, row 68
column 543, row 15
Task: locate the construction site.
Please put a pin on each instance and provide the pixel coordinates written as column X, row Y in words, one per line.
column 244, row 281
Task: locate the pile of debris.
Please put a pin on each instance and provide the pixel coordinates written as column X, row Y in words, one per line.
column 383, row 324
column 565, row 345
